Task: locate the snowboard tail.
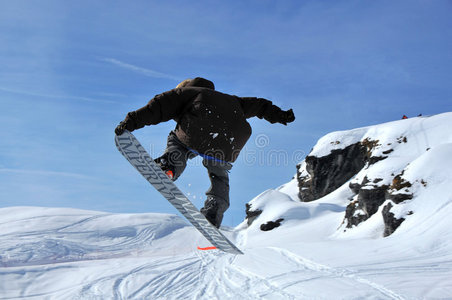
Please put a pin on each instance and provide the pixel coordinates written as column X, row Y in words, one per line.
column 138, row 157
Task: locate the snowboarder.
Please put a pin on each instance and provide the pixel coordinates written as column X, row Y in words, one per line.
column 210, row 124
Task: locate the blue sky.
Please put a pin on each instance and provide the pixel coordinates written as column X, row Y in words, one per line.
column 72, row 70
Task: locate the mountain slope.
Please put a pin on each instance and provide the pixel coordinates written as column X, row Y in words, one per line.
column 56, row 253
column 90, row 255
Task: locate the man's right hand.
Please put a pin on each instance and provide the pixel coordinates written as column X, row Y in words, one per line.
column 128, row 124
column 120, row 128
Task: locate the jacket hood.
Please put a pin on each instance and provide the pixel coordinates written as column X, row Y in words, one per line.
column 201, row 82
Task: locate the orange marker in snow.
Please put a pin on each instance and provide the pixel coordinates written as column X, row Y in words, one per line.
column 207, row 248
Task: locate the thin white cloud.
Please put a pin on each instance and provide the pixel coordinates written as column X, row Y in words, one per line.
column 45, row 173
column 35, row 94
column 141, row 70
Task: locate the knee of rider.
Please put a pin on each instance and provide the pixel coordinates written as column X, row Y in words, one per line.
column 223, row 203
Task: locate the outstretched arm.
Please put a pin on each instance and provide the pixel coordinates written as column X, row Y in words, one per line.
column 161, row 108
column 264, row 109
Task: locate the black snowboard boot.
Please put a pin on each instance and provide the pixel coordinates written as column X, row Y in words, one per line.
column 162, row 161
column 213, row 210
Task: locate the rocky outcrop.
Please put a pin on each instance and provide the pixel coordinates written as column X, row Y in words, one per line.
column 271, row 225
column 251, row 215
column 353, row 215
column 327, row 173
column 370, row 195
column 322, row 175
column 391, row 223
column 400, row 190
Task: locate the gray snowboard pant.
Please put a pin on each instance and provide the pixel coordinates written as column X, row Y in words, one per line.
column 175, row 159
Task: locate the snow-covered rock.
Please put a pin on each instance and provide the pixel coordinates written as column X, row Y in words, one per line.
column 373, row 161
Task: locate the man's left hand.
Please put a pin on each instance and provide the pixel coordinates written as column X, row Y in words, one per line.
column 286, row 117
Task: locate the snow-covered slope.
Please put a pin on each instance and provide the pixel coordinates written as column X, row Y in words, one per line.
column 56, row 253
column 412, row 166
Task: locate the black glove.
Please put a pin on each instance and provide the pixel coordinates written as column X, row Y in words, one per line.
column 120, row 128
column 286, row 117
column 124, row 125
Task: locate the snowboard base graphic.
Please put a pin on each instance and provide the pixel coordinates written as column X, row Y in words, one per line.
column 138, row 157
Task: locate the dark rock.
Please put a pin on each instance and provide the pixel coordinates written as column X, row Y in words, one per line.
column 271, row 225
column 377, row 180
column 352, row 218
column 375, row 159
column 388, row 151
column 402, row 139
column 399, row 183
column 355, row 187
column 399, row 197
column 365, row 181
column 371, row 196
column 251, row 215
column 370, row 199
column 370, row 145
column 328, row 173
column 391, row 223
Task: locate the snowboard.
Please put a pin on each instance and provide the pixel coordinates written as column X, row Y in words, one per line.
column 138, row 157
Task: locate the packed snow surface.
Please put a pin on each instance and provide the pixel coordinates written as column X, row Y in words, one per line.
column 61, row 253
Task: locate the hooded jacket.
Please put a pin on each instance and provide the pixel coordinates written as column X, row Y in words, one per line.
column 209, row 122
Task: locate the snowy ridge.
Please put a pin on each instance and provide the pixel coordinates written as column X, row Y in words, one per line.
column 119, row 265
column 34, row 236
column 61, row 253
column 426, row 132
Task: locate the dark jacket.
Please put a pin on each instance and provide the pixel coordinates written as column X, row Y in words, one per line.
column 209, row 122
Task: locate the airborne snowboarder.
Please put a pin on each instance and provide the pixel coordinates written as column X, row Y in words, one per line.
column 210, row 124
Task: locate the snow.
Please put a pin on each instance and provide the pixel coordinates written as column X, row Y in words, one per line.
column 426, row 131
column 63, row 253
